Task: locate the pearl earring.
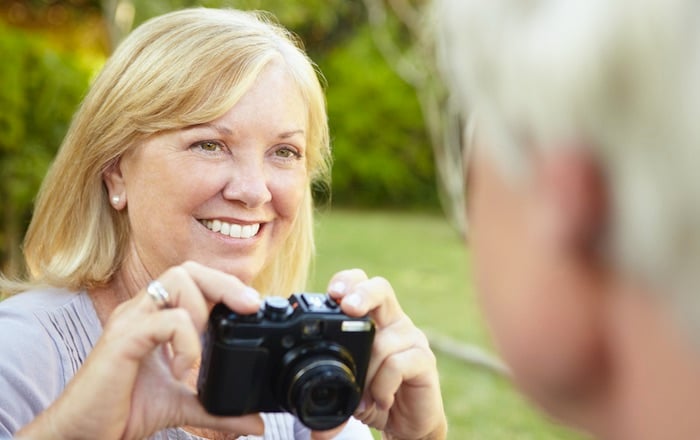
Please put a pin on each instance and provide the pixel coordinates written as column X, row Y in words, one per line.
column 115, row 200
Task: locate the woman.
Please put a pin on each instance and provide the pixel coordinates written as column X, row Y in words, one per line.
column 184, row 181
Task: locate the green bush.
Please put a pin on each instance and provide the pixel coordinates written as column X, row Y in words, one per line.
column 382, row 155
column 41, row 89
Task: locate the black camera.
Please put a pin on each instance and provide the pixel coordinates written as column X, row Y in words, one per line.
column 302, row 355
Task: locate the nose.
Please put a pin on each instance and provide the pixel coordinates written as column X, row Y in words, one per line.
column 248, row 184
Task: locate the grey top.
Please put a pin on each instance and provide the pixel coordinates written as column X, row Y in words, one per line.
column 45, row 336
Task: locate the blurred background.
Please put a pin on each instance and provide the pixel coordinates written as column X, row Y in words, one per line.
column 395, row 204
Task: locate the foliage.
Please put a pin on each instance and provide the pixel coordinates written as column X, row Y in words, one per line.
column 404, row 33
column 41, row 89
column 321, row 24
column 381, row 149
column 73, row 25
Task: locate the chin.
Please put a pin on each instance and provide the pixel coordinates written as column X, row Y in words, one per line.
column 241, row 267
column 245, row 274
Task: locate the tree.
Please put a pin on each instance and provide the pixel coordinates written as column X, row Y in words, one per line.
column 41, row 89
column 402, row 31
column 380, row 146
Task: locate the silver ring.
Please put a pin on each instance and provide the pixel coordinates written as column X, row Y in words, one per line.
column 158, row 294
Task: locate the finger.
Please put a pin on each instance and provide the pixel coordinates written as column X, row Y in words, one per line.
column 173, row 327
column 194, row 414
column 184, row 293
column 185, row 344
column 220, row 287
column 370, row 415
column 407, row 385
column 374, row 297
column 344, row 281
column 394, row 371
column 399, row 337
column 397, row 372
column 193, row 287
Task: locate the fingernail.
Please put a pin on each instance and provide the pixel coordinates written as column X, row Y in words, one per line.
column 252, row 295
column 361, row 406
column 338, row 287
column 353, row 300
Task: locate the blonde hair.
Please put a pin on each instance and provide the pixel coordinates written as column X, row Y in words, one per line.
column 176, row 70
column 623, row 77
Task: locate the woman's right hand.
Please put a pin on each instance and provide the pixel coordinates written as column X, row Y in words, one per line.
column 134, row 382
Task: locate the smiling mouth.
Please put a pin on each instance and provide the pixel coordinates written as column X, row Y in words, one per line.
column 232, row 229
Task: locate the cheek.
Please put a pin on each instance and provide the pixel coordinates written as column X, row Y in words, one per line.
column 528, row 294
column 506, row 268
column 288, row 194
column 500, row 251
column 167, row 192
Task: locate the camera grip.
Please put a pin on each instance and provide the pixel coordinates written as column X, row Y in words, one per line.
column 250, row 373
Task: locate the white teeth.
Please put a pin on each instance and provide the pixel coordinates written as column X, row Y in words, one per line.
column 235, row 231
column 246, row 231
column 250, row 230
column 232, row 229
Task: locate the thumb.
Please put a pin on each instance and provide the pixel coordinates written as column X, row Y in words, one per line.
column 196, row 415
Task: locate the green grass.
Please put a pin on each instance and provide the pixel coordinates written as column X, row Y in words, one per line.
column 429, row 268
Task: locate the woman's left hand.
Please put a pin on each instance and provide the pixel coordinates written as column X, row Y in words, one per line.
column 402, row 391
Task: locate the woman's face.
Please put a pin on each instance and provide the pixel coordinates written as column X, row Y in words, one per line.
column 223, row 193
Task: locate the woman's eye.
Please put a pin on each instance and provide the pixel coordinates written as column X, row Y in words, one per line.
column 287, row 152
column 208, row 146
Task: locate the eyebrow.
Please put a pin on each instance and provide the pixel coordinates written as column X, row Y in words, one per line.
column 228, row 132
column 219, row 128
column 288, row 134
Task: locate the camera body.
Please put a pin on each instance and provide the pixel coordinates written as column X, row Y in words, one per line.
column 302, row 355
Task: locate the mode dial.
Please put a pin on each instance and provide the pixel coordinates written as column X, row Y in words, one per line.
column 277, row 308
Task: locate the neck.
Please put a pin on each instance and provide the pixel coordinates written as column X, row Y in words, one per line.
column 129, row 279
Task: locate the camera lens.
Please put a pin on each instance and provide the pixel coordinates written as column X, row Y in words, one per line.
column 322, row 392
column 324, row 396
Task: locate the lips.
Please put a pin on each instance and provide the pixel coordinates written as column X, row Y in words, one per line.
column 234, row 230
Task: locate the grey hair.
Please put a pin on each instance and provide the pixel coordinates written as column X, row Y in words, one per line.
column 622, row 76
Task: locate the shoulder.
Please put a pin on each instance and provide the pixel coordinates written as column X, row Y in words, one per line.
column 44, row 336
column 32, row 301
column 47, row 320
column 40, row 309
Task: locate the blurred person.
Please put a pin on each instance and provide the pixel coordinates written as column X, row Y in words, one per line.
column 184, row 181
column 583, row 201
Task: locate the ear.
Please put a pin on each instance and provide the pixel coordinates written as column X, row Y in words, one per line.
column 568, row 217
column 116, row 187
column 571, row 192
